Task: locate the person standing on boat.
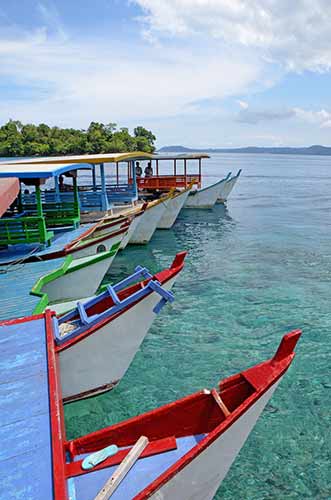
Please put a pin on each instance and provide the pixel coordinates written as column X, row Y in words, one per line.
column 139, row 170
column 63, row 186
column 149, row 170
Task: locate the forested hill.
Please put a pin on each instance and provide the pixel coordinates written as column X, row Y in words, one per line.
column 17, row 139
column 311, row 150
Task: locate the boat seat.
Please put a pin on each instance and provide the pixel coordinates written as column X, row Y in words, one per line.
column 24, row 230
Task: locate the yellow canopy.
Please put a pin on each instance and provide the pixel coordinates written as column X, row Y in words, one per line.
column 91, row 159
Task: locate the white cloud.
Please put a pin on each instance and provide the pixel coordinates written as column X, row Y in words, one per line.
column 295, row 34
column 242, row 104
column 99, row 81
column 321, row 118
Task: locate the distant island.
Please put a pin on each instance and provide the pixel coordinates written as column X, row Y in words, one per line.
column 311, row 150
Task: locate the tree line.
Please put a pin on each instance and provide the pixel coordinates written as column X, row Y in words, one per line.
column 18, row 139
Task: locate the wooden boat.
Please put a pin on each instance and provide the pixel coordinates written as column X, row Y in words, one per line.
column 99, row 338
column 149, row 220
column 122, row 216
column 192, row 442
column 183, row 174
column 227, row 187
column 95, row 199
column 173, row 207
column 182, row 450
column 81, row 242
column 31, row 287
column 41, row 230
column 206, row 197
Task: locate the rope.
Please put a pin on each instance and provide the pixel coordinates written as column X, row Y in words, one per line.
column 19, row 263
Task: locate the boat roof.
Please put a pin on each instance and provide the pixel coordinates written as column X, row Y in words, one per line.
column 90, row 159
column 25, row 421
column 45, row 170
column 184, row 156
column 9, row 189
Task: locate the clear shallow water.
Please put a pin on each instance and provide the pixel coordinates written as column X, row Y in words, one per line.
column 255, row 270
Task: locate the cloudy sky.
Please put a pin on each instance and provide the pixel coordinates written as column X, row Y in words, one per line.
column 197, row 72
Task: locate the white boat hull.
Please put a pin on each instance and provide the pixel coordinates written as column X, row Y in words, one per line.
column 226, row 189
column 99, row 246
column 80, row 283
column 147, row 224
column 201, row 478
column 173, row 207
column 203, row 198
column 133, row 226
column 98, row 361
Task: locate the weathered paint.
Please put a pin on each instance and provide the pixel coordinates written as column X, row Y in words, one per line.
column 25, row 431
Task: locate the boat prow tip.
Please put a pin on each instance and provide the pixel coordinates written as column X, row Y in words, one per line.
column 287, row 346
column 179, row 259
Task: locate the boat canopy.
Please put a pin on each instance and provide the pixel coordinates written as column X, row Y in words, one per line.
column 92, row 197
column 95, row 159
column 185, row 156
column 26, row 170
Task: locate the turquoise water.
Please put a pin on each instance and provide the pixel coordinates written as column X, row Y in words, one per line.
column 255, row 271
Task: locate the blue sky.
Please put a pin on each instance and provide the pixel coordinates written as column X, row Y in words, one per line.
column 197, row 72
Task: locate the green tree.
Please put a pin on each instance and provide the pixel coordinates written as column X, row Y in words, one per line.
column 17, row 139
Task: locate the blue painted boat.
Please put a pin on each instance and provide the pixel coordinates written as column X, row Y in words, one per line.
column 42, row 229
column 97, row 340
column 183, row 449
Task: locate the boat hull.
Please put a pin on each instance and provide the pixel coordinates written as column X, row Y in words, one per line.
column 227, row 188
column 83, row 282
column 147, row 224
column 203, row 198
column 202, row 477
column 101, row 244
column 173, row 207
column 133, row 226
column 97, row 362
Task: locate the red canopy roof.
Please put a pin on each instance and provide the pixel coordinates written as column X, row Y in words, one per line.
column 9, row 189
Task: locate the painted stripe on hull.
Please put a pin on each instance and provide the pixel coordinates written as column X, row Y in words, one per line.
column 201, row 478
column 173, row 207
column 103, row 357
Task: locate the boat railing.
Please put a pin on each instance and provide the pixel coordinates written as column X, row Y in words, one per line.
column 81, row 318
column 167, row 182
column 24, row 229
column 56, row 213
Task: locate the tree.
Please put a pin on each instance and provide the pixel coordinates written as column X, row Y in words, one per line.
column 17, row 139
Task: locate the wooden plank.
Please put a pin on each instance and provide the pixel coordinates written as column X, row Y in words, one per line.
column 115, row 480
column 220, row 402
column 154, row 448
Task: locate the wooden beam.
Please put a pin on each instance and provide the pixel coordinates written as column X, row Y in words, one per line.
column 115, row 480
column 220, row 402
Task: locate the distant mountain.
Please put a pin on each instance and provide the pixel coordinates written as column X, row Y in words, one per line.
column 311, row 150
